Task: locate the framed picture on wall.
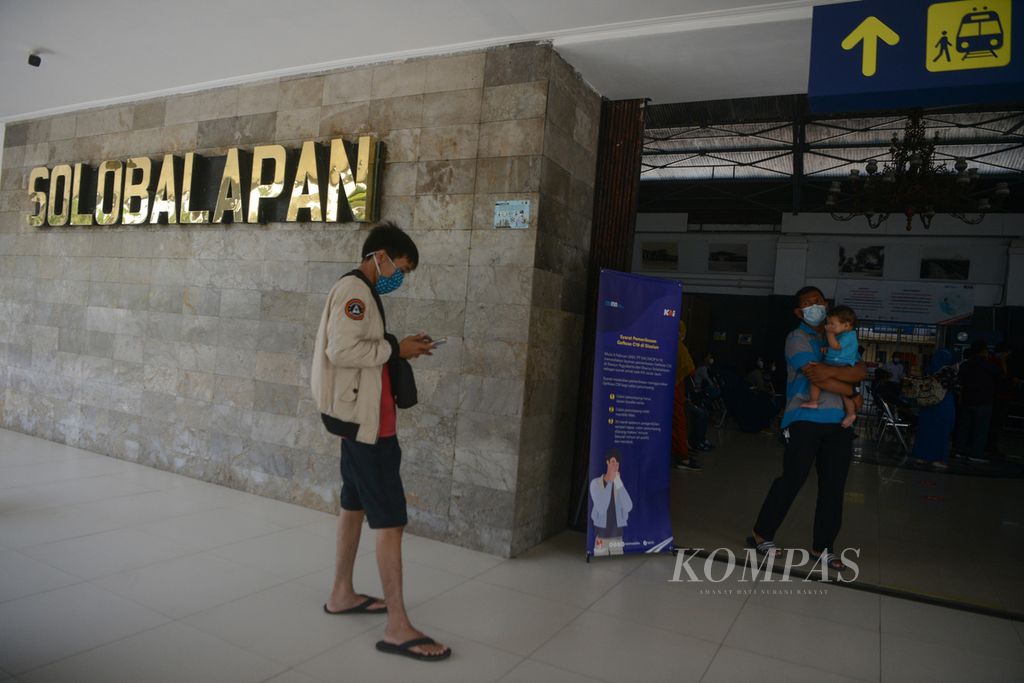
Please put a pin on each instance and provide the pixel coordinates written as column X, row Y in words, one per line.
column 945, row 269
column 745, row 338
column 861, row 261
column 720, row 336
column 727, row 258
column 659, row 256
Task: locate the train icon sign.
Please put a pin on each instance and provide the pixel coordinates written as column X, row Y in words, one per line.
column 968, row 34
column 875, row 55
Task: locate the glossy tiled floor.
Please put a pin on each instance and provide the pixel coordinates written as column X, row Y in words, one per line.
column 113, row 572
column 942, row 535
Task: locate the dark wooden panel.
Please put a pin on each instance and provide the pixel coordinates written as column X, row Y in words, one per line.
column 616, row 193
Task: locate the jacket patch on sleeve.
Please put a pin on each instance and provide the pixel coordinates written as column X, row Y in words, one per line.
column 355, row 309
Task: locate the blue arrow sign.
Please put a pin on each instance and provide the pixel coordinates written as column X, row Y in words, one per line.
column 875, row 55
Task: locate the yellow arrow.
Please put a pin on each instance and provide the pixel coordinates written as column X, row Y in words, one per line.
column 870, row 31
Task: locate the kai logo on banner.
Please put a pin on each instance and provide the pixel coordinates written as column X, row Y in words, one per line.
column 269, row 183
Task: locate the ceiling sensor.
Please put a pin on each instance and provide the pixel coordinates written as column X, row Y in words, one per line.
column 34, row 59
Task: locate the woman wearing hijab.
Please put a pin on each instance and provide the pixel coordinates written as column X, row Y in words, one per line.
column 935, row 423
column 681, row 458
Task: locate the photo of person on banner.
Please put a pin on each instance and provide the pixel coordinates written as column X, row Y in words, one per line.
column 611, row 507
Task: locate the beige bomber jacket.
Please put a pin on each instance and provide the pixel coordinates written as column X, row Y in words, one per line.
column 350, row 350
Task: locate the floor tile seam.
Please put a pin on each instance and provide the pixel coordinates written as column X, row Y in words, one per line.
column 405, row 562
column 721, row 644
column 881, row 633
column 941, row 602
column 119, row 571
column 801, row 664
column 462, row 579
column 639, row 622
column 263, row 655
column 953, row 646
column 300, row 525
column 229, row 543
column 905, row 595
column 218, row 507
column 77, row 582
column 47, row 510
column 832, row 620
column 430, row 599
column 1008, row 621
column 207, row 510
column 814, row 617
column 551, row 638
column 456, row 573
column 68, row 479
column 65, row 480
column 553, row 666
column 95, row 647
column 282, row 673
column 128, row 526
column 427, row 621
column 590, row 609
column 33, row 464
column 546, row 598
column 1017, row 663
column 138, row 526
column 80, row 502
column 254, row 566
column 744, row 599
column 172, row 617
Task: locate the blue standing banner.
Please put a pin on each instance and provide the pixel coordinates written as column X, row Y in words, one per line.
column 631, row 424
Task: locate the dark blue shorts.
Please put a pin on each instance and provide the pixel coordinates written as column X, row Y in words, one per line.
column 370, row 481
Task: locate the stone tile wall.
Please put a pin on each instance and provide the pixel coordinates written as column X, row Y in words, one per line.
column 568, row 167
column 187, row 348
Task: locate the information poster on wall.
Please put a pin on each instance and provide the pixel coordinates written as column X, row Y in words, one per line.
column 513, row 214
column 631, row 425
column 930, row 303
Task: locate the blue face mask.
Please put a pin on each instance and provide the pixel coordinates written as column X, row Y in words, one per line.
column 386, row 285
column 814, row 315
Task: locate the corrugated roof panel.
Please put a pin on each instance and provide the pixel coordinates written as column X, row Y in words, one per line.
column 834, row 147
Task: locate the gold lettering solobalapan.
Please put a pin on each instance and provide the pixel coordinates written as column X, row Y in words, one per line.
column 267, row 184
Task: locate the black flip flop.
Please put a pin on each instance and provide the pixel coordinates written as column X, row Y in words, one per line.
column 764, row 548
column 361, row 608
column 405, row 649
column 834, row 562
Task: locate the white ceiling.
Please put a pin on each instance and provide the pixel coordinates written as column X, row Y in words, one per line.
column 103, row 51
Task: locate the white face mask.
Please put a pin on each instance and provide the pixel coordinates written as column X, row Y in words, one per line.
column 815, row 314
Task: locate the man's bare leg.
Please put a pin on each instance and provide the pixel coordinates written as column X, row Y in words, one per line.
column 343, row 595
column 389, row 561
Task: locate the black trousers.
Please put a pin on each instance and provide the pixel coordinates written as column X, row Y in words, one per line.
column 697, row 423
column 829, row 448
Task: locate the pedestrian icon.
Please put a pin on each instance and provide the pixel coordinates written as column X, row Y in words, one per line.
column 968, row 34
column 943, row 46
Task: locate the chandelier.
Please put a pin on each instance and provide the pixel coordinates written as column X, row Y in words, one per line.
column 913, row 183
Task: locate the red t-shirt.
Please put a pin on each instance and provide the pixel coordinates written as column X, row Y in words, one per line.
column 387, row 405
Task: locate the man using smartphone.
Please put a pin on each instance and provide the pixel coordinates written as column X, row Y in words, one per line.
column 352, row 387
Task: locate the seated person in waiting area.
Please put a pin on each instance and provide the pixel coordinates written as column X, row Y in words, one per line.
column 841, row 352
